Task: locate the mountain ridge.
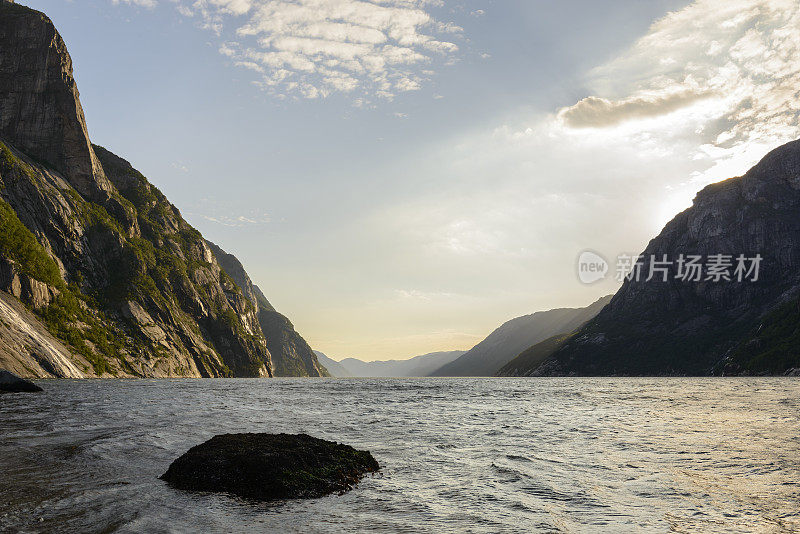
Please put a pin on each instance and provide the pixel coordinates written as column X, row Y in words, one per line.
column 703, row 327
column 418, row 366
column 111, row 279
column 333, row 367
column 514, row 336
column 290, row 353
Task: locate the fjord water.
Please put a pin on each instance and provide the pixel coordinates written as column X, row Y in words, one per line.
column 460, row 455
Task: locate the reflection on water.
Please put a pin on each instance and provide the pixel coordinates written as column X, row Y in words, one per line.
column 477, row 455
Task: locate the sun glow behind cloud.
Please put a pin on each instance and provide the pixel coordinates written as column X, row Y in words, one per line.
column 738, row 61
column 701, row 97
column 716, row 83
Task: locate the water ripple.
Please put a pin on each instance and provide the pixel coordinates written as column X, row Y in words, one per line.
column 458, row 455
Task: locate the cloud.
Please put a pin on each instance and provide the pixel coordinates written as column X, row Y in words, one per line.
column 417, row 294
column 702, row 96
column 149, row 4
column 739, row 57
column 238, row 221
column 219, row 212
column 313, row 48
column 595, row 112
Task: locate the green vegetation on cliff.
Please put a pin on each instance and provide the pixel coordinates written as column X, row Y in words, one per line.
column 98, row 252
column 67, row 316
column 149, row 255
column 19, row 244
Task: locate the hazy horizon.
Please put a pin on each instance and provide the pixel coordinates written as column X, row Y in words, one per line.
column 402, row 177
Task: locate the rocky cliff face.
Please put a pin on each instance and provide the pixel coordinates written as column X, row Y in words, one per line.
column 704, row 327
column 28, row 349
column 41, row 111
column 102, row 259
column 291, row 355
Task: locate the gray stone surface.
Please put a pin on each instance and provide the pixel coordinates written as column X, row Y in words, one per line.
column 39, row 102
column 28, row 349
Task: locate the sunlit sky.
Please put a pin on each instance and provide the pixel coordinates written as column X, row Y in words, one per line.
column 402, row 176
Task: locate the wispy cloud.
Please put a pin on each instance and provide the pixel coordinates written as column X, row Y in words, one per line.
column 418, row 294
column 596, row 112
column 223, row 213
column 313, row 48
column 237, row 221
column 150, row 4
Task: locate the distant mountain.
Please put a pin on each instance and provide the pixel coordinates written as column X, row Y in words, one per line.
column 710, row 325
column 417, row 366
column 334, row 368
column 516, row 335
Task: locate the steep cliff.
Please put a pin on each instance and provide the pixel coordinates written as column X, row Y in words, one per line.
column 697, row 327
column 102, row 259
column 291, row 355
column 41, row 111
column 514, row 336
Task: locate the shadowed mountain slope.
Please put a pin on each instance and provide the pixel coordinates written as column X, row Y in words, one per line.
column 516, row 335
column 291, row 355
column 705, row 326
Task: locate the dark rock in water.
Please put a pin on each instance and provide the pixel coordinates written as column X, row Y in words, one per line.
column 11, row 383
column 270, row 466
